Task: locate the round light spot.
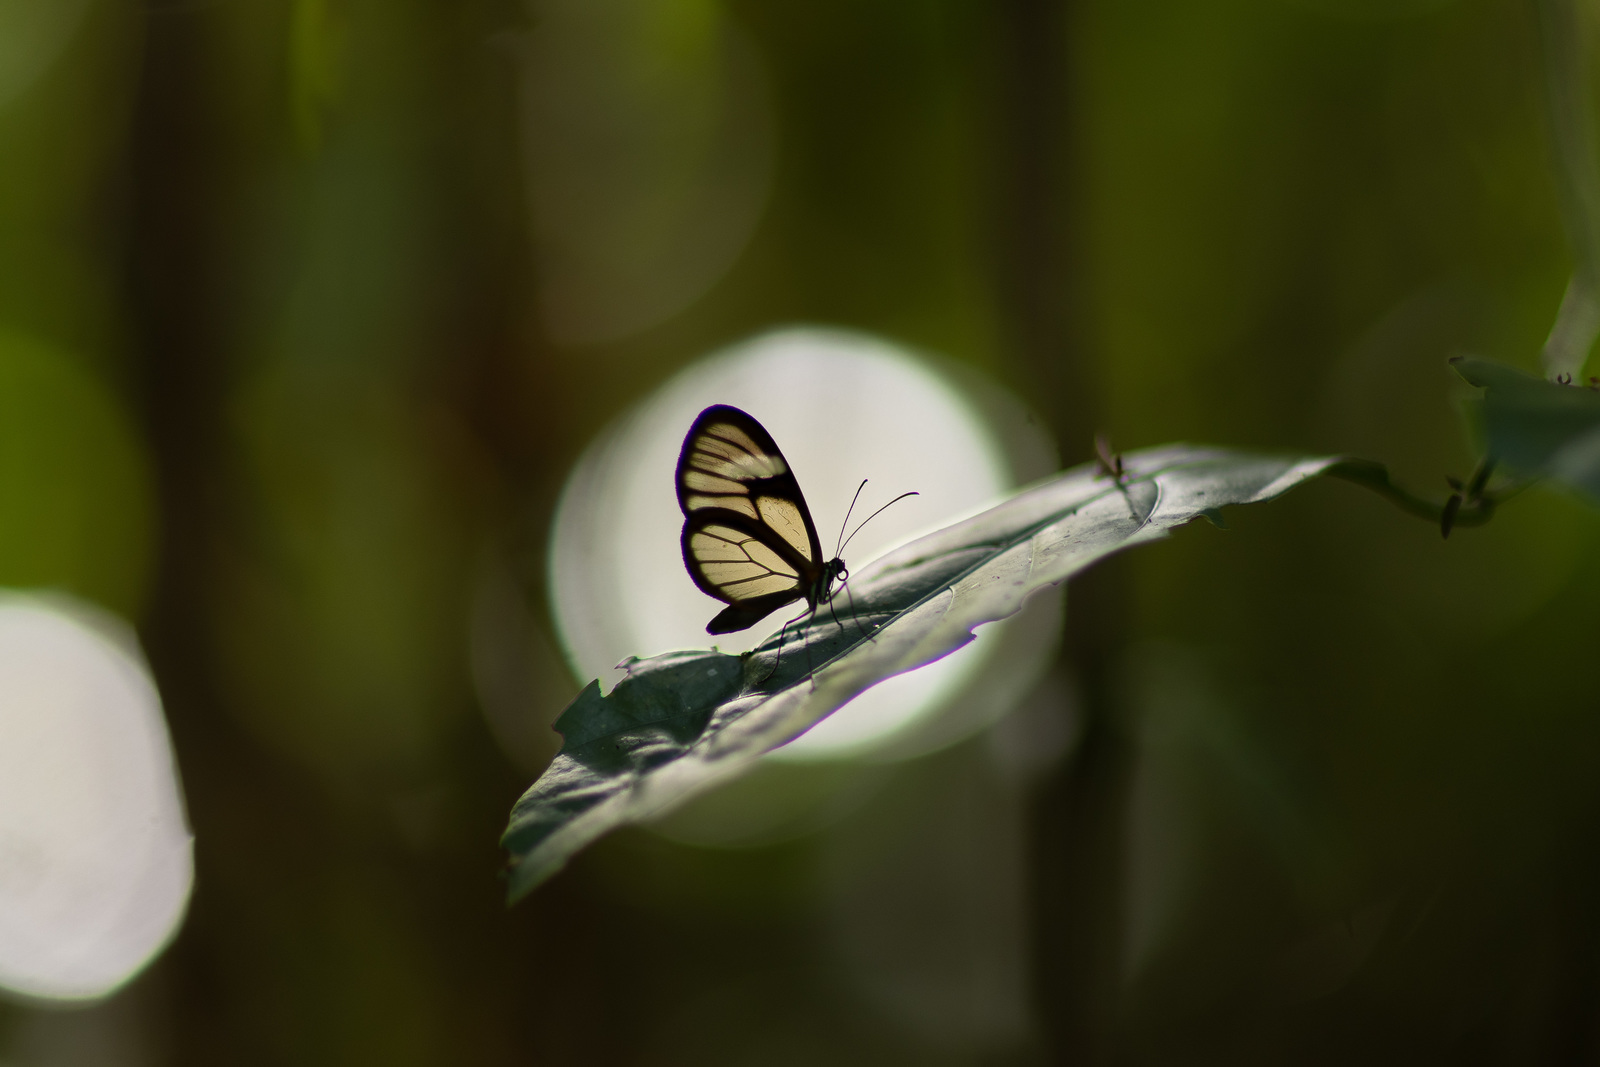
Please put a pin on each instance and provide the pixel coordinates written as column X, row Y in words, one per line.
column 95, row 854
column 842, row 406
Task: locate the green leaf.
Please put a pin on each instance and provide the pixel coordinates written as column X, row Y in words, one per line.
column 1537, row 427
column 679, row 724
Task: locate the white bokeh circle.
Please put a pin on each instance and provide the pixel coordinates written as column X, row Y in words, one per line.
column 95, row 852
column 843, row 406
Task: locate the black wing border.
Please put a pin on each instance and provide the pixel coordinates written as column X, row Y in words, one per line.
column 782, row 485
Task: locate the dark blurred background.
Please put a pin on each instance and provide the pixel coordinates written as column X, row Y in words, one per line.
column 308, row 306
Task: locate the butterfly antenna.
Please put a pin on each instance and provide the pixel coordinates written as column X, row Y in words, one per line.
column 874, row 515
column 839, row 545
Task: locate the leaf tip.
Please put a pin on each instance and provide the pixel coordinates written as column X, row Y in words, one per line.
column 524, row 877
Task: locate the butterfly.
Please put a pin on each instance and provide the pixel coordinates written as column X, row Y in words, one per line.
column 748, row 538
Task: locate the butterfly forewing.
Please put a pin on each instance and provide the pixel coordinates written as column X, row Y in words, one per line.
column 787, row 519
column 748, row 539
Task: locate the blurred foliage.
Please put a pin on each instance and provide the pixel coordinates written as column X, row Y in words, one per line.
column 1536, row 427
column 284, row 386
column 75, row 493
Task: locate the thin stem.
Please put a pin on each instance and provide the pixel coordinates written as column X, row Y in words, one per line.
column 1578, row 177
column 1474, row 511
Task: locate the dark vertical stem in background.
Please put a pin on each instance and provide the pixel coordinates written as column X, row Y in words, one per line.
column 253, row 818
column 176, row 332
column 1035, row 227
column 1077, row 820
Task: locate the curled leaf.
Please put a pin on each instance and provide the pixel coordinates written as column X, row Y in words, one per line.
column 679, row 724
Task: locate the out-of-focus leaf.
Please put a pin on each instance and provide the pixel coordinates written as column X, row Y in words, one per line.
column 32, row 37
column 76, row 508
column 314, row 51
column 682, row 722
column 649, row 133
column 1537, row 427
column 1577, row 175
column 339, row 629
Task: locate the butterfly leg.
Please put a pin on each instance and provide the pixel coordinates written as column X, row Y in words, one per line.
column 805, row 646
column 834, row 615
column 850, row 597
column 779, row 659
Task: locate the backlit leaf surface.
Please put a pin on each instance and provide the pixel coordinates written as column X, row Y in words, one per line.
column 680, row 723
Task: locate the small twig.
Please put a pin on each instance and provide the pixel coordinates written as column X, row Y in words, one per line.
column 1470, row 505
column 1107, row 464
column 1447, row 521
column 1480, row 478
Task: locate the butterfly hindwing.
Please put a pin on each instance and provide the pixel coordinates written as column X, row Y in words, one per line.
column 748, row 538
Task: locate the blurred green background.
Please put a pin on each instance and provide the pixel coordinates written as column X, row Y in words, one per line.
column 307, row 307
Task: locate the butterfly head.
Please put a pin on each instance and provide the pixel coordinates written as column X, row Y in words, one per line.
column 822, row 589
